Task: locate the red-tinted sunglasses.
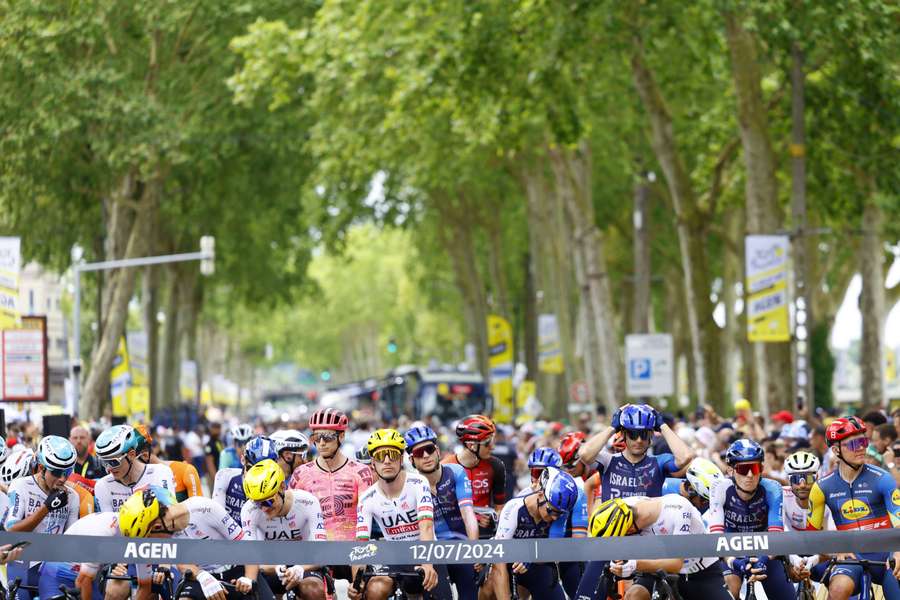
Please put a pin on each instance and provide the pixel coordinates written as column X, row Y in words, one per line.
column 745, row 469
column 423, row 451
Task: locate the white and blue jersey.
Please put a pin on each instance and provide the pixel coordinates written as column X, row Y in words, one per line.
column 623, row 478
column 26, row 497
column 228, row 491
column 451, row 494
column 729, row 513
column 516, row 523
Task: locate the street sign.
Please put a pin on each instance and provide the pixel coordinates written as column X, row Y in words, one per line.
column 25, row 362
column 580, row 392
column 650, row 364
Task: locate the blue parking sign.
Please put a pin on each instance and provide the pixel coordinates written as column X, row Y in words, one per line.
column 640, row 368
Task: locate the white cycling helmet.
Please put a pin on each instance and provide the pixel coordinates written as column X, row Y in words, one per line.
column 19, row 463
column 290, row 439
column 115, row 441
column 801, row 462
column 4, row 450
column 57, row 453
column 241, row 433
column 703, row 475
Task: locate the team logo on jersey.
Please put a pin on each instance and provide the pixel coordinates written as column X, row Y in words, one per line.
column 363, row 552
column 853, row 510
column 895, row 497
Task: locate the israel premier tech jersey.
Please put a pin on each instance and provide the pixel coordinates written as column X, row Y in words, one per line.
column 623, row 478
column 452, row 492
column 729, row 512
column 871, row 501
column 228, row 490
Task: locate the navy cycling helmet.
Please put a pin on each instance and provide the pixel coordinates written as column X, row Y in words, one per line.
column 258, row 449
column 559, row 489
column 637, row 417
column 544, row 457
column 417, row 435
column 744, row 450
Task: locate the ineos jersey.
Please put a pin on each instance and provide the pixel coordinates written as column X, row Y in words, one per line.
column 209, row 521
column 729, row 513
column 398, row 518
column 622, row 478
column 452, row 492
column 488, row 479
column 111, row 494
column 516, row 522
column 302, row 522
column 228, row 490
column 338, row 493
column 796, row 517
column 102, row 524
column 26, row 497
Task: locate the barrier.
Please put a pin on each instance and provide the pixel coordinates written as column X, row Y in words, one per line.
column 72, row 548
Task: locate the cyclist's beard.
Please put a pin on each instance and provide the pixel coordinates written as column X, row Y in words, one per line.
column 437, row 465
column 388, row 480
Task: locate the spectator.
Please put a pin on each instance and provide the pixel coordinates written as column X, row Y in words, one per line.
column 873, row 419
column 883, row 437
column 819, row 446
column 87, row 465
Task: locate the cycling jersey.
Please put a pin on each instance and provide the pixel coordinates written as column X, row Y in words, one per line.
column 86, row 502
column 111, row 494
column 622, row 478
column 228, row 491
column 488, row 479
column 338, row 493
column 4, row 506
column 728, row 512
column 872, row 501
column 452, row 492
column 794, row 516
column 397, row 517
column 186, row 479
column 26, row 497
column 228, row 459
column 302, row 522
column 210, row 521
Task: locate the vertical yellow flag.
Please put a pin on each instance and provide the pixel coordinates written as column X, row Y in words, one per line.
column 766, row 259
column 500, row 361
column 10, row 264
column 119, row 381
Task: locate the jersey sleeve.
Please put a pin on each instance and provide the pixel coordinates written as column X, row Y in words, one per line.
column 463, row 486
column 580, row 515
column 190, row 477
column 775, row 499
column 666, row 463
column 315, row 523
column 103, row 496
column 363, row 519
column 220, row 485
column 424, row 501
column 166, row 478
column 74, row 508
column 248, row 524
column 715, row 516
column 224, row 459
column 602, row 460
column 816, row 516
column 498, row 491
column 226, row 525
column 506, row 524
column 16, row 511
column 888, row 488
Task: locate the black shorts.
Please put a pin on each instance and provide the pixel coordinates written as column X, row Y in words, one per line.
column 278, row 588
column 192, row 588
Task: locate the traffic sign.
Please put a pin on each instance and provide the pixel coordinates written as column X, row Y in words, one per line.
column 650, row 364
column 580, row 392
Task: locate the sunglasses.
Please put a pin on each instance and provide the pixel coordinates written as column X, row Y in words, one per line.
column 745, row 469
column 61, row 472
column 798, row 478
column 386, row 455
column 553, row 512
column 860, row 443
column 327, row 437
column 423, row 451
column 265, row 503
column 536, row 472
column 641, row 434
column 113, row 463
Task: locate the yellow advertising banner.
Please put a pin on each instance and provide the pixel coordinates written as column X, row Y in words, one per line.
column 500, row 362
column 766, row 258
column 119, row 381
column 10, row 265
column 550, row 359
column 139, row 402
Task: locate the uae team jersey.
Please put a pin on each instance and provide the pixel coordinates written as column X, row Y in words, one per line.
column 728, row 512
column 209, row 521
column 338, row 493
column 102, row 524
column 399, row 517
column 111, row 493
column 228, row 491
column 302, row 522
column 488, row 479
column 453, row 492
column 622, row 478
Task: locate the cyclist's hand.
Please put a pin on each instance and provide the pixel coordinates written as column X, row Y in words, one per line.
column 6, row 555
column 119, row 570
column 430, row 578
column 354, row 594
column 896, row 565
column 845, row 556
column 57, row 499
column 623, row 568
column 484, row 520
column 616, row 422
column 292, row 576
column 243, row 584
column 759, row 568
column 658, row 420
column 211, row 587
column 519, row 568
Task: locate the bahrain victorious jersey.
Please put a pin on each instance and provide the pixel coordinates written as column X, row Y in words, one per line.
column 397, row 517
column 111, row 493
column 338, row 493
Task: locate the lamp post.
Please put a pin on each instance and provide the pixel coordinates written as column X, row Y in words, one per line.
column 206, row 256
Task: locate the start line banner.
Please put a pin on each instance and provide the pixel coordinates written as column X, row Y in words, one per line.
column 73, row 548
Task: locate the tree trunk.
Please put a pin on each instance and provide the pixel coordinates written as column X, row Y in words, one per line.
column 773, row 383
column 640, row 316
column 119, row 287
column 150, row 298
column 499, row 289
column 530, row 333
column 732, row 272
column 169, row 360
column 872, row 306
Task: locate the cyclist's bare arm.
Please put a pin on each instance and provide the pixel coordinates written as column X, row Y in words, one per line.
column 591, row 448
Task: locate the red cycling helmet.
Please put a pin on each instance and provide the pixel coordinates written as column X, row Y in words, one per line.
column 569, row 446
column 475, row 428
column 842, row 428
column 328, row 418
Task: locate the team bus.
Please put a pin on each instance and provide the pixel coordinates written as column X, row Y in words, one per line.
column 418, row 392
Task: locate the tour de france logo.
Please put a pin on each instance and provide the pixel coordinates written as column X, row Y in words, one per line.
column 363, row 552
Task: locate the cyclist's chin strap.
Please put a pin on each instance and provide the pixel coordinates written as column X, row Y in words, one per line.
column 840, row 456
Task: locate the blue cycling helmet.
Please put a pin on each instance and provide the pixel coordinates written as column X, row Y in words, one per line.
column 57, row 453
column 559, row 489
column 544, row 457
column 259, row 448
column 744, row 450
column 638, row 417
column 417, row 435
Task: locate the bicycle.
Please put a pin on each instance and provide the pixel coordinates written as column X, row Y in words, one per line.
column 164, row 590
column 17, row 585
column 402, row 580
column 67, row 593
column 866, row 591
column 229, row 587
column 665, row 584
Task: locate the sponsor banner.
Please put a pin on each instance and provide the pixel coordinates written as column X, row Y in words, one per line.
column 550, row 359
column 10, row 265
column 120, row 380
column 766, row 269
column 75, row 548
column 500, row 362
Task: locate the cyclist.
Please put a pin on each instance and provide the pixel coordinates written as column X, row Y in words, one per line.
column 402, row 505
column 486, row 472
column 538, row 460
column 451, row 491
column 228, row 490
column 292, row 448
column 746, row 503
column 117, row 450
column 231, row 456
column 532, row 516
column 187, row 479
column 802, row 468
column 275, row 513
column 569, row 447
column 699, row 479
column 861, row 497
column 19, row 463
column 667, row 515
column 42, row 503
column 153, row 512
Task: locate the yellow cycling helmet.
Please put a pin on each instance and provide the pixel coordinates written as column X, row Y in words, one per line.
column 263, row 480
column 386, row 438
column 612, row 518
column 137, row 514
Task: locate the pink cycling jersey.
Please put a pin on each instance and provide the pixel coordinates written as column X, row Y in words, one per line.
column 338, row 492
